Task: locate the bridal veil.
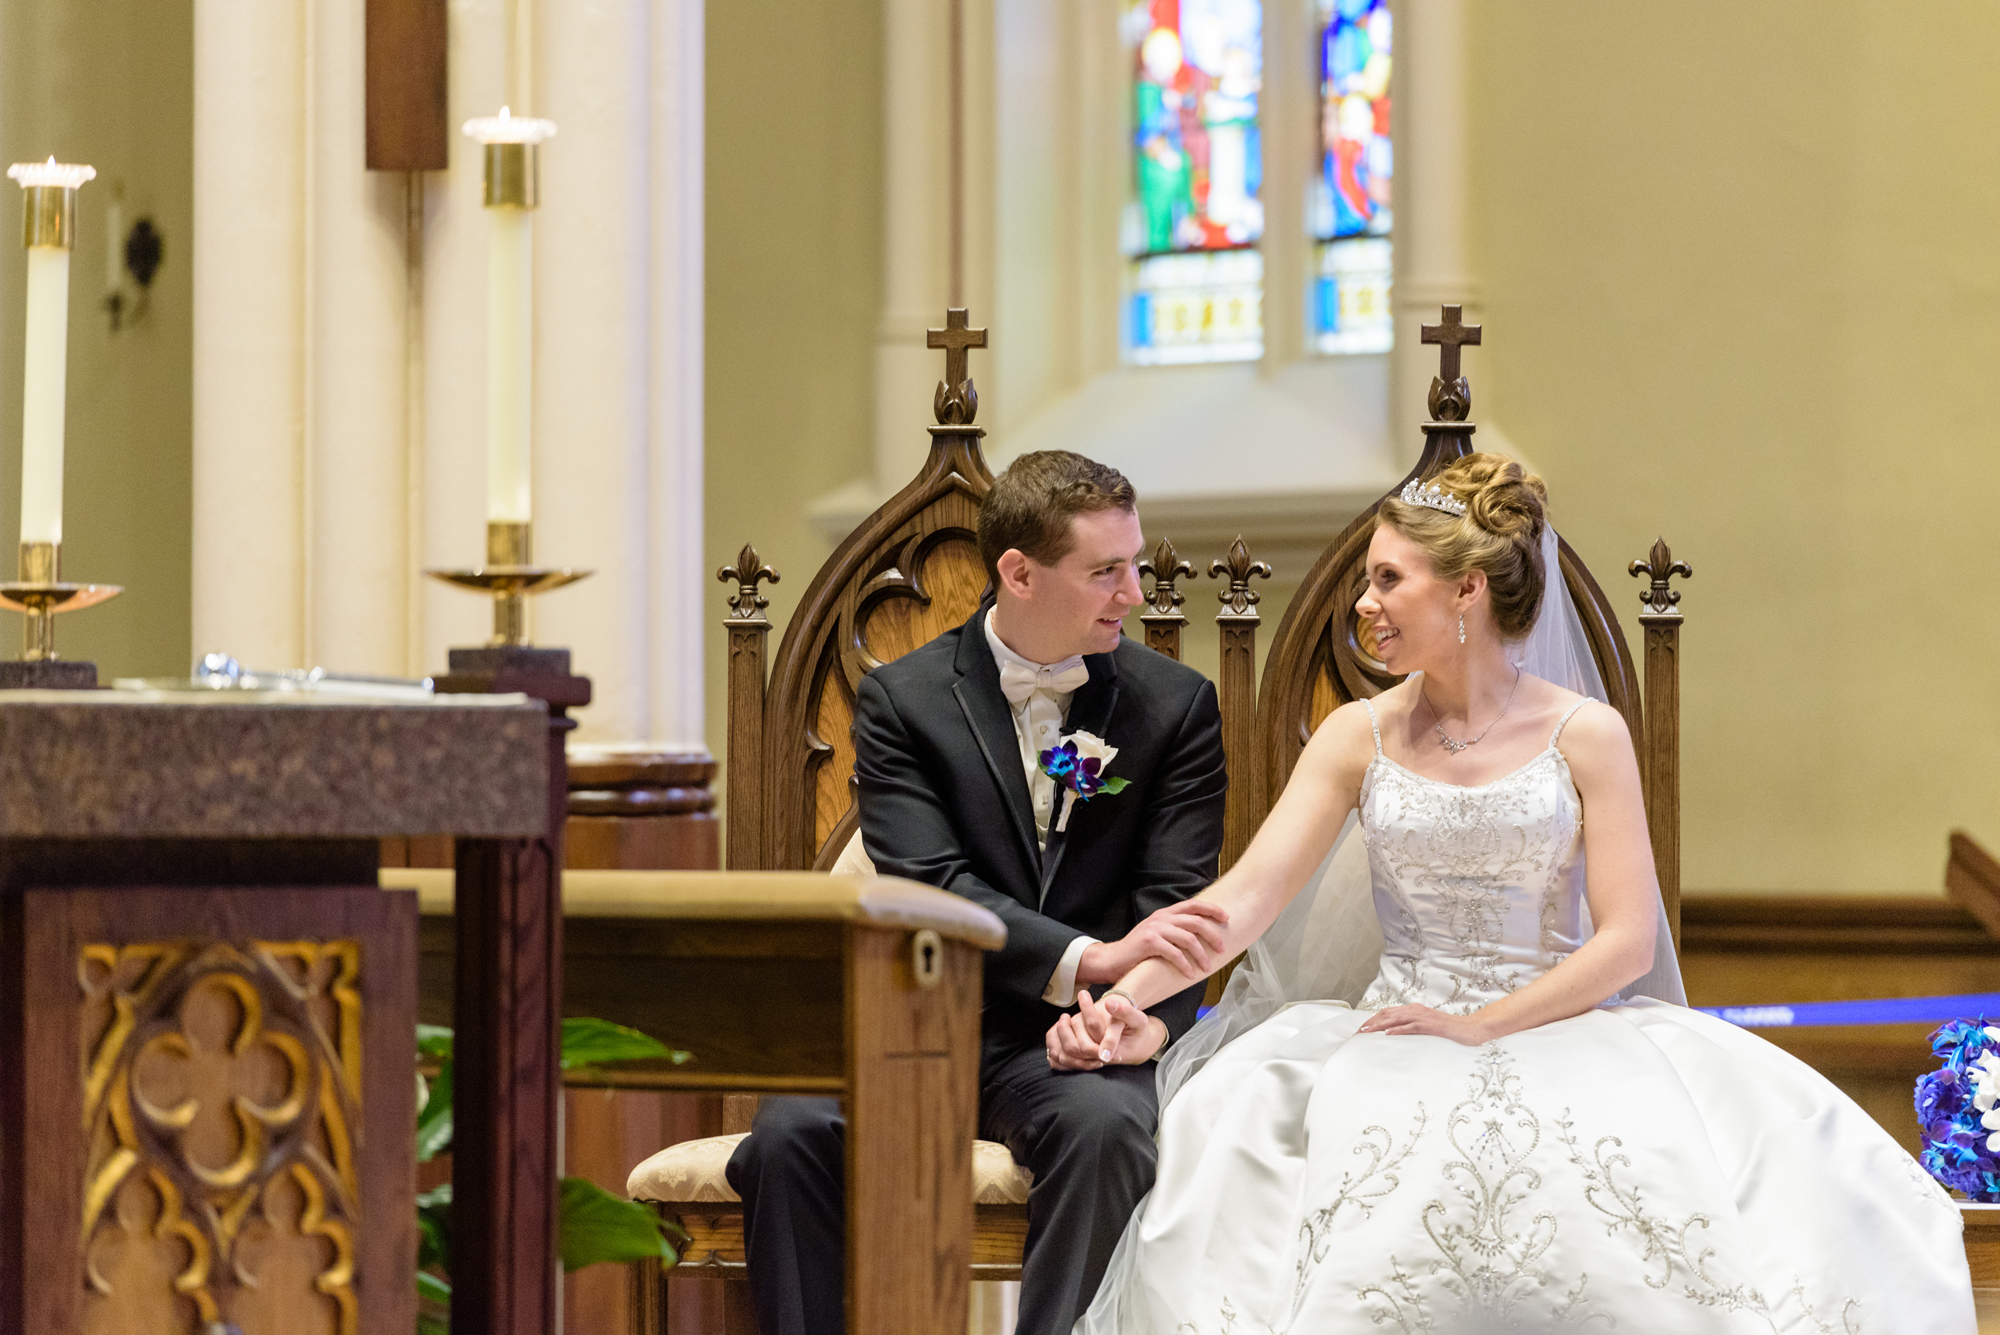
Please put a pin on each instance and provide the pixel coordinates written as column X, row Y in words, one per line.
column 1327, row 944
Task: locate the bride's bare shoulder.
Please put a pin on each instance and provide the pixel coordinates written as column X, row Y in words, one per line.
column 1595, row 739
column 1351, row 729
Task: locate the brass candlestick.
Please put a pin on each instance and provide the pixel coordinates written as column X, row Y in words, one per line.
column 510, row 576
column 41, row 594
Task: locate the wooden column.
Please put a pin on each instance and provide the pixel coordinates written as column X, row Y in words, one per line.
column 1661, row 765
column 1238, row 621
column 749, row 631
column 1163, row 618
column 508, row 1014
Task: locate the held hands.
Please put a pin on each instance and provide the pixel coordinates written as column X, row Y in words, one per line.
column 1467, row 1029
column 1187, row 936
column 1116, row 1033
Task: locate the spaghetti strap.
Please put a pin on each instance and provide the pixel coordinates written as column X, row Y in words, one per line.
column 1375, row 727
column 1564, row 720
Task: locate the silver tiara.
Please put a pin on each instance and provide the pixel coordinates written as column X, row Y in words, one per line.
column 1432, row 497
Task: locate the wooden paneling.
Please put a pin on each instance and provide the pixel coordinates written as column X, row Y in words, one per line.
column 605, row 843
column 607, row 1133
column 833, row 754
column 683, row 983
column 940, row 594
column 1748, row 950
column 1862, row 925
column 1972, row 879
column 201, row 1109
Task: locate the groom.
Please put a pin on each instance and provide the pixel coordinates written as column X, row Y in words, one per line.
column 947, row 743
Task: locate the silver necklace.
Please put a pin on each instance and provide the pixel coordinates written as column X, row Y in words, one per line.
column 1451, row 743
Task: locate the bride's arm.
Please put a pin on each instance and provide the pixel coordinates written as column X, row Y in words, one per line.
column 1287, row 850
column 1623, row 889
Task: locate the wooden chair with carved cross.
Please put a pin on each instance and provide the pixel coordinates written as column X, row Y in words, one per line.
column 1321, row 656
column 910, row 572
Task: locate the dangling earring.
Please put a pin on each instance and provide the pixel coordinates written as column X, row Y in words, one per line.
column 1461, row 628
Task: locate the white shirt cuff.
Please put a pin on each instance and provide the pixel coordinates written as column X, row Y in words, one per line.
column 1061, row 990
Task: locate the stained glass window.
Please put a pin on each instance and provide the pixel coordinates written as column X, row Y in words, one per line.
column 1351, row 213
column 1195, row 285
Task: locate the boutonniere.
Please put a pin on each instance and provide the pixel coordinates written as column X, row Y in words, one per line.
column 1077, row 765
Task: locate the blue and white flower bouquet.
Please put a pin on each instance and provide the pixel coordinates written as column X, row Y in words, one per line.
column 1958, row 1107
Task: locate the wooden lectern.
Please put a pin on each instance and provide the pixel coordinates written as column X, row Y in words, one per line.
column 207, row 1091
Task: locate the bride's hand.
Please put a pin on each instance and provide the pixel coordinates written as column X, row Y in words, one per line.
column 1094, row 1037
column 1466, row 1029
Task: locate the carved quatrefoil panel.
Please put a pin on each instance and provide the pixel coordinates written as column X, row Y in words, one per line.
column 221, row 1095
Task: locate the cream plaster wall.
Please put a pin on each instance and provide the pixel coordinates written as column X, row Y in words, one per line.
column 794, row 228
column 1740, row 268
column 111, row 84
column 1742, row 276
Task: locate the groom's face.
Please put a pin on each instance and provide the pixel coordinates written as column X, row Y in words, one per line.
column 1079, row 604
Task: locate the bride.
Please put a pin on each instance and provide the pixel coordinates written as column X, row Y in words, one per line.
column 1454, row 1087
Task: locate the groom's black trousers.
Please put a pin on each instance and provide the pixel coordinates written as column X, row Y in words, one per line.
column 1086, row 1135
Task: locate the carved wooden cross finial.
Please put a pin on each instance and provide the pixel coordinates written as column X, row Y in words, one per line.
column 1660, row 566
column 1451, row 397
column 1452, row 335
column 957, row 403
column 749, row 571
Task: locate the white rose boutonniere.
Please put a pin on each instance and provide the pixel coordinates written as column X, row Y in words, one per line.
column 1077, row 764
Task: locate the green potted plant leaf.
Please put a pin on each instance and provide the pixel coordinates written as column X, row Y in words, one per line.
column 593, row 1226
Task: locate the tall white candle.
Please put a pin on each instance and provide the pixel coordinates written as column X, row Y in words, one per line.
column 509, row 362
column 42, row 394
column 49, row 231
column 511, row 195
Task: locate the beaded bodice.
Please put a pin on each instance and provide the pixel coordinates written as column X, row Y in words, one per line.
column 1479, row 889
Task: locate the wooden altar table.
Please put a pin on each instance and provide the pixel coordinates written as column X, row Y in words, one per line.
column 207, row 1004
column 793, row 982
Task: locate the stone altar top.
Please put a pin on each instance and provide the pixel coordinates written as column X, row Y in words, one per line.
column 252, row 764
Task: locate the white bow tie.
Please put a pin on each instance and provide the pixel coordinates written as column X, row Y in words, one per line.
column 1018, row 681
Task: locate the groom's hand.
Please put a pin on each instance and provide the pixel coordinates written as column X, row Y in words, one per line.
column 1187, row 935
column 1094, row 1037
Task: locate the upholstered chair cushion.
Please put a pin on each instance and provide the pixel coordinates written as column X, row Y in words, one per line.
column 692, row 1172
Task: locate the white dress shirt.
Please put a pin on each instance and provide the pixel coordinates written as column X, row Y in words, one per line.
column 1038, row 724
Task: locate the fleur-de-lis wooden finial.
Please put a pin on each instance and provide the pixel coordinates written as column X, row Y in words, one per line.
column 956, row 402
column 1165, row 566
column 746, row 603
column 1660, row 566
column 1239, row 599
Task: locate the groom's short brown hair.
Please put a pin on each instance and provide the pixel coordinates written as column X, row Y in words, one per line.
column 1032, row 503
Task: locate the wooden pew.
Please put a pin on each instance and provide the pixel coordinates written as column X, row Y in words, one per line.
column 866, row 988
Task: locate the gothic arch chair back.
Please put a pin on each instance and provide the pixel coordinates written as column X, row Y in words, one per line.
column 1320, row 657
column 910, row 572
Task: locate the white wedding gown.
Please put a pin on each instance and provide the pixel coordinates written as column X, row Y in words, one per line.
column 1641, row 1167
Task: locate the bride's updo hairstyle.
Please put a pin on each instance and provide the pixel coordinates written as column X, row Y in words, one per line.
column 1499, row 533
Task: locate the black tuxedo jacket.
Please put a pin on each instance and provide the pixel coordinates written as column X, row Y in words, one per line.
column 944, row 801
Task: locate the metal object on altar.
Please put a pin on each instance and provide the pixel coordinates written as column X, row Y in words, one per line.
column 511, row 578
column 220, row 672
column 40, row 593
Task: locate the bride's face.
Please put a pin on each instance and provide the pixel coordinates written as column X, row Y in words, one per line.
column 1412, row 613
